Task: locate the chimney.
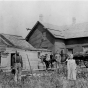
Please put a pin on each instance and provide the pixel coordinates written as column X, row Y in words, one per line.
column 73, row 20
column 41, row 18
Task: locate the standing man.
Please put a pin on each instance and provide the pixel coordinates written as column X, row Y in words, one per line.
column 46, row 60
column 62, row 54
column 18, row 66
column 51, row 58
column 0, row 58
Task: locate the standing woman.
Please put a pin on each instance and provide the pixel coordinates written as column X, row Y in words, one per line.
column 58, row 60
column 71, row 67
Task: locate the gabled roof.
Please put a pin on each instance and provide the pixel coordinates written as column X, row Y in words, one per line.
column 66, row 31
column 17, row 41
column 76, row 30
column 3, row 42
column 55, row 30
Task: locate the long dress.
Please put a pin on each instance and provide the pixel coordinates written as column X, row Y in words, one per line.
column 71, row 67
column 58, row 59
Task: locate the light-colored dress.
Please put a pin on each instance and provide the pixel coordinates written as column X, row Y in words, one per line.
column 71, row 67
column 58, row 59
column 47, row 57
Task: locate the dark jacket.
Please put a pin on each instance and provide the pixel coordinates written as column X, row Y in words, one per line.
column 17, row 59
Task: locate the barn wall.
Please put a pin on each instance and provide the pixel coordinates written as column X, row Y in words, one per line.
column 36, row 39
column 32, row 56
column 77, row 41
column 5, row 61
column 76, row 44
column 60, row 45
column 30, row 59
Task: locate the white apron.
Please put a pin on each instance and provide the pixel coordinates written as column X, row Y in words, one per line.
column 71, row 67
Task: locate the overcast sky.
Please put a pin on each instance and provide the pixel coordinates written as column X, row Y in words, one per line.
column 16, row 16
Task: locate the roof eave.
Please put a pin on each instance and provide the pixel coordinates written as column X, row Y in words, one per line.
column 23, row 48
column 31, row 30
column 44, row 28
column 49, row 31
column 59, row 38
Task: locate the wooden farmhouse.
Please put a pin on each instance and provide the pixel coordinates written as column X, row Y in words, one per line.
column 69, row 38
column 9, row 44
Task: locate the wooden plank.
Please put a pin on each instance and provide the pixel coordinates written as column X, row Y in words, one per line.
column 3, row 48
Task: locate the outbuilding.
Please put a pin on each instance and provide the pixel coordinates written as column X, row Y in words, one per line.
column 9, row 44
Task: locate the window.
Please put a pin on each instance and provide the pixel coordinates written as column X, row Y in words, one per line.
column 44, row 35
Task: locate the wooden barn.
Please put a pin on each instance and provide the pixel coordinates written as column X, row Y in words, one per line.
column 9, row 44
column 69, row 38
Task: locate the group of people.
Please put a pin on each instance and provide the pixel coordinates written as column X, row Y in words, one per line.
column 71, row 64
column 17, row 66
column 48, row 60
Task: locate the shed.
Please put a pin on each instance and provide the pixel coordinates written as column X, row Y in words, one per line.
column 9, row 44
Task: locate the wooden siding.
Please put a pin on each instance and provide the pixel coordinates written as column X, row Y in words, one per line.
column 76, row 44
column 32, row 56
column 76, row 41
column 59, row 45
column 36, row 38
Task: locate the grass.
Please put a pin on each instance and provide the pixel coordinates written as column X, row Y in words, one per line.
column 56, row 79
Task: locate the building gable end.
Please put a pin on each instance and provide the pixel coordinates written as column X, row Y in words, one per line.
column 34, row 28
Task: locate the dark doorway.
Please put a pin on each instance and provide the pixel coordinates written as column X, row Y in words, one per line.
column 12, row 59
